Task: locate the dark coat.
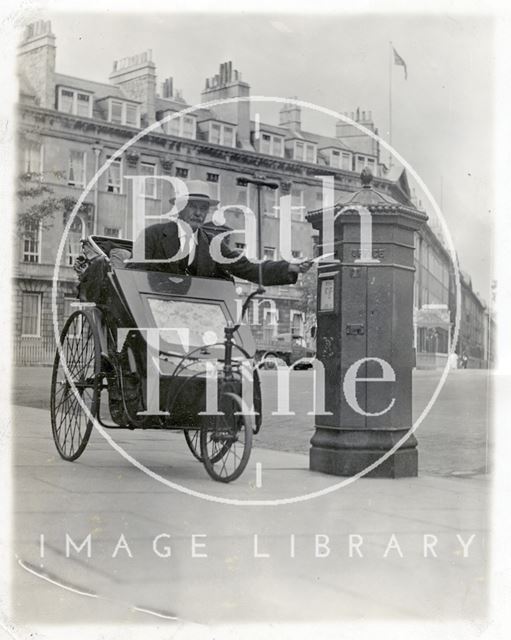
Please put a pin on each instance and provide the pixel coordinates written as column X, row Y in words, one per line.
column 162, row 242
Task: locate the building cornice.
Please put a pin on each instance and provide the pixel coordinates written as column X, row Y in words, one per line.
column 161, row 142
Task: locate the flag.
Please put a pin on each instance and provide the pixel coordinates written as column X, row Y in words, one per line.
column 399, row 61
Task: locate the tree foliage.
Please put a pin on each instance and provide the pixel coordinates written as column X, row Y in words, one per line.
column 38, row 204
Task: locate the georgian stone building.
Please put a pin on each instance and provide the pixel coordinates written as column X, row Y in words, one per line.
column 70, row 126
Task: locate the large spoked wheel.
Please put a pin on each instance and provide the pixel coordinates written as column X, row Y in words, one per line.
column 226, row 440
column 71, row 426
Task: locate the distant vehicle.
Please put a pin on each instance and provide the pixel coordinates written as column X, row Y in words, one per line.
column 271, row 363
column 303, row 364
column 286, row 346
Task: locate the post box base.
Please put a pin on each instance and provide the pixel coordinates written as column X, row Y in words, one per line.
column 348, row 462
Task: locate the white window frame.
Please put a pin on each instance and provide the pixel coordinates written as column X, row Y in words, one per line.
column 298, row 211
column 233, row 130
column 274, row 252
column 272, row 151
column 137, row 115
column 294, row 314
column 37, row 253
column 75, row 92
column 308, row 146
column 349, row 158
column 28, row 147
column 271, row 320
column 274, row 209
column 152, row 193
column 71, row 256
column 335, row 158
column 118, row 161
column 124, row 112
column 182, row 127
column 176, row 122
column 81, row 182
column 179, row 121
column 39, row 314
column 222, row 129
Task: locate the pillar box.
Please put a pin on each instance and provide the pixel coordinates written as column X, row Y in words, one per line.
column 365, row 311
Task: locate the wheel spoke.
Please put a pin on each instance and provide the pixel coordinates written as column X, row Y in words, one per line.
column 80, row 357
column 226, row 445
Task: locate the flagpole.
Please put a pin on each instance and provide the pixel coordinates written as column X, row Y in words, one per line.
column 390, row 102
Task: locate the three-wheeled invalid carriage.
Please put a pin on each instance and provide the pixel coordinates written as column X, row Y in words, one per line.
column 109, row 343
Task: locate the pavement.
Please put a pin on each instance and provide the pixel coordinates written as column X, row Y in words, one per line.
column 359, row 552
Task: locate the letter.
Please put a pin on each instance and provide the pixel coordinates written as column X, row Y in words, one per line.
column 247, row 388
column 430, row 542
column 70, row 543
column 350, row 382
column 327, row 214
column 122, row 544
column 140, row 218
column 283, row 373
column 198, row 545
column 393, row 544
column 465, row 545
column 285, row 230
column 318, row 373
column 257, row 554
column 249, row 232
column 41, row 545
column 292, row 544
column 355, row 546
column 152, row 336
column 167, row 551
column 211, row 389
column 366, row 232
column 322, row 545
column 272, row 312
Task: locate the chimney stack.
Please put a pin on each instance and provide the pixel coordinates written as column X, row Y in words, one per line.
column 136, row 75
column 354, row 138
column 290, row 116
column 36, row 58
column 167, row 88
column 227, row 83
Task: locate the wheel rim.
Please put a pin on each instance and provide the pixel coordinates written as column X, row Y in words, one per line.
column 71, row 426
column 192, row 438
column 226, row 440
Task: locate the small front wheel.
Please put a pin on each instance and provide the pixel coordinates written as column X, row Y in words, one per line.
column 226, row 439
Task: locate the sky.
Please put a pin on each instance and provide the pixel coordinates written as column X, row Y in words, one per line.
column 442, row 115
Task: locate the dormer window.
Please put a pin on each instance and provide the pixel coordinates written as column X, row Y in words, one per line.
column 305, row 152
column 364, row 161
column 340, row 159
column 223, row 134
column 121, row 112
column 181, row 126
column 271, row 145
column 75, row 102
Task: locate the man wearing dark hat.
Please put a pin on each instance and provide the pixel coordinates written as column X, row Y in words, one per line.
column 172, row 240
